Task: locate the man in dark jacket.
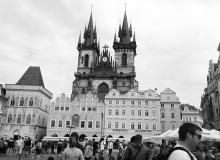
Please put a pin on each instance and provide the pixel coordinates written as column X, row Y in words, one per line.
column 136, row 150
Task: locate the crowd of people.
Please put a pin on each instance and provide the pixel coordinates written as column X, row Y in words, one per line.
column 188, row 147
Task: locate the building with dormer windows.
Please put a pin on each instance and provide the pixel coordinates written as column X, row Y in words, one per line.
column 105, row 99
column 26, row 111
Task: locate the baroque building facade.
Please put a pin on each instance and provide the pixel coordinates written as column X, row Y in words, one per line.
column 170, row 110
column 26, row 110
column 210, row 104
column 191, row 114
column 105, row 99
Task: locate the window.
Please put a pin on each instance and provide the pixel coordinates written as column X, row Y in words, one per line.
column 109, row 124
column 146, row 113
column 162, row 105
column 132, row 112
column 116, row 125
column 146, row 102
column 124, row 60
column 146, row 125
column 12, row 101
column 172, row 115
column 110, row 102
column 82, row 125
column 89, row 124
column 94, row 109
column 162, row 115
column 22, row 102
column 97, row 124
column 117, row 112
column 67, row 108
column 60, row 124
column 172, row 105
column 139, row 102
column 154, row 126
column 173, row 126
column 86, row 64
column 139, row 125
column 194, row 119
column 89, row 109
column 83, row 108
column 123, row 112
column 52, row 123
column 117, row 101
column 19, row 119
column 139, row 112
column 123, row 102
column 132, row 125
column 113, row 94
column 28, row 120
column 163, row 126
column 56, row 108
column 31, row 102
column 110, row 112
column 123, row 125
column 123, row 83
column 67, row 123
column 154, row 113
column 61, row 108
column 132, row 102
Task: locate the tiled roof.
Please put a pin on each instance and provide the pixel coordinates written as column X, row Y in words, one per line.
column 31, row 77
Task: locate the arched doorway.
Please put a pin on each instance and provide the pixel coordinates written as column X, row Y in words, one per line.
column 16, row 133
column 66, row 135
column 54, row 135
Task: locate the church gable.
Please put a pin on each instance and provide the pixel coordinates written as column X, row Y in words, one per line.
column 168, row 91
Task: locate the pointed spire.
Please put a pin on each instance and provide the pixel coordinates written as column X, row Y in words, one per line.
column 125, row 23
column 115, row 40
column 90, row 25
column 134, row 38
column 119, row 31
column 130, row 30
column 79, row 42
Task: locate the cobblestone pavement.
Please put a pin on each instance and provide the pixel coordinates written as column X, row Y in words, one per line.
column 55, row 156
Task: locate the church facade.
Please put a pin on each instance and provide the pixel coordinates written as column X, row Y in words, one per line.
column 105, row 99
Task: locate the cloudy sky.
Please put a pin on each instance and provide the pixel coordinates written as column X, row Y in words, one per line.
column 176, row 40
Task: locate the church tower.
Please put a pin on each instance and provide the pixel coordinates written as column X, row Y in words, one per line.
column 88, row 49
column 125, row 52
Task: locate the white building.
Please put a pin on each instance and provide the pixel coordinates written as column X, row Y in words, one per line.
column 26, row 111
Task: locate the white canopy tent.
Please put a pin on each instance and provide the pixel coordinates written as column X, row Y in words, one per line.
column 206, row 135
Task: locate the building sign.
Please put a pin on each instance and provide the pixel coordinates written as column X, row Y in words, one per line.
column 75, row 120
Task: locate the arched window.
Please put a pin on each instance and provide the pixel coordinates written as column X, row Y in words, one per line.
column 31, row 102
column 12, row 101
column 86, row 63
column 22, row 102
column 28, row 120
column 19, row 119
column 9, row 118
column 124, row 60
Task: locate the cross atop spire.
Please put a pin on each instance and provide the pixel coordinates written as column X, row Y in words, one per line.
column 105, row 47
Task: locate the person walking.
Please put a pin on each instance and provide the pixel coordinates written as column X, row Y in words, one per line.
column 72, row 152
column 88, row 150
column 136, row 150
column 189, row 138
column 19, row 145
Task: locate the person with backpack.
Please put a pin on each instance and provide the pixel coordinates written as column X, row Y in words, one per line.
column 189, row 138
column 136, row 150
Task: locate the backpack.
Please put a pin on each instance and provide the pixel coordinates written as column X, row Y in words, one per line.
column 166, row 156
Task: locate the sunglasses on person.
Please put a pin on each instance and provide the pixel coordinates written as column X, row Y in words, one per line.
column 198, row 135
